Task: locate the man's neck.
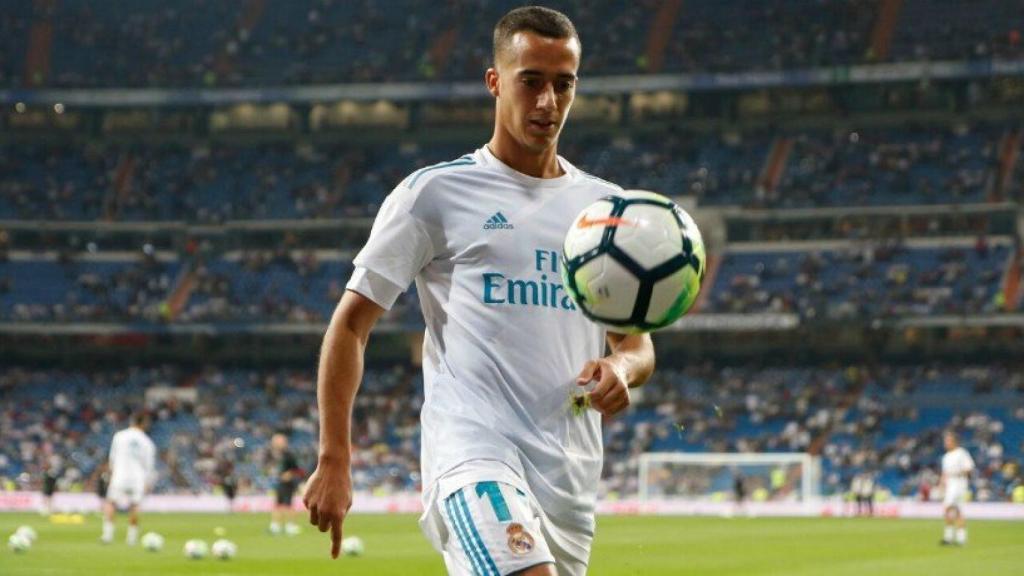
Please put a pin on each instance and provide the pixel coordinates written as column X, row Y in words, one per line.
column 539, row 165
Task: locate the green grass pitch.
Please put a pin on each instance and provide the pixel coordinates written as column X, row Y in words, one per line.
column 624, row 546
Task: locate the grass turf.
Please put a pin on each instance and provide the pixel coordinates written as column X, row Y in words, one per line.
column 624, row 545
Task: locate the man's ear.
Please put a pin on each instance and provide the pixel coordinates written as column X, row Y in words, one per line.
column 491, row 79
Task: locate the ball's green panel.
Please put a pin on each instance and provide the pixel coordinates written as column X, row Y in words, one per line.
column 683, row 302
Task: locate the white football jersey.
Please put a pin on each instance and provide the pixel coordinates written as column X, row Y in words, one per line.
column 132, row 457
column 957, row 464
column 504, row 342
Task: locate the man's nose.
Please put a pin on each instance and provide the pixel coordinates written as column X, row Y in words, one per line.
column 546, row 99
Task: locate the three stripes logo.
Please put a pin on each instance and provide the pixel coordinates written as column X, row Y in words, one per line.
column 498, row 222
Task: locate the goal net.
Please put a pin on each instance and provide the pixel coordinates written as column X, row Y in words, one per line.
column 729, row 477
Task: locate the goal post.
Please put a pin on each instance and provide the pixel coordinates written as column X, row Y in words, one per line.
column 712, row 476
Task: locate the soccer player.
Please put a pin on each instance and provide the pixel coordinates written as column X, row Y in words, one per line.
column 132, row 472
column 228, row 481
column 54, row 470
column 739, row 491
column 957, row 465
column 865, row 494
column 102, row 475
column 510, row 470
column 288, row 476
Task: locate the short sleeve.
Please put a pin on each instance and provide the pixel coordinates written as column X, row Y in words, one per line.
column 398, row 248
column 968, row 462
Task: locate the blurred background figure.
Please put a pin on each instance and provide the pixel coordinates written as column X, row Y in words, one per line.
column 132, row 474
column 289, row 474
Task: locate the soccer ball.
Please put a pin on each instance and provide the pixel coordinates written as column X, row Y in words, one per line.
column 633, row 262
column 19, row 543
column 28, row 532
column 352, row 546
column 152, row 541
column 195, row 549
column 224, row 549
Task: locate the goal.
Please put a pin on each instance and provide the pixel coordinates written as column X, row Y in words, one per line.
column 712, row 476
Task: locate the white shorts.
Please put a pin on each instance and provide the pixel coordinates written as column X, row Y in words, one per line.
column 955, row 495
column 494, row 528
column 126, row 492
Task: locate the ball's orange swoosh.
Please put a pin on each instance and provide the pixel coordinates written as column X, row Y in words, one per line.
column 587, row 223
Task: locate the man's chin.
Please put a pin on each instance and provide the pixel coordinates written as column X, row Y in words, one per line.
column 538, row 144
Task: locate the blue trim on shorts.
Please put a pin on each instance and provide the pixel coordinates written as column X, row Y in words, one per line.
column 463, row 535
column 476, row 534
column 493, row 493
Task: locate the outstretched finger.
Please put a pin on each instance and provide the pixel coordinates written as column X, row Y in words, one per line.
column 335, row 537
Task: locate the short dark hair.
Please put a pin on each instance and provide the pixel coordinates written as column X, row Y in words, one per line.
column 543, row 21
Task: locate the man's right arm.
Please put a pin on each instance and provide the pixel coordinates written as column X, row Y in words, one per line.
column 329, row 492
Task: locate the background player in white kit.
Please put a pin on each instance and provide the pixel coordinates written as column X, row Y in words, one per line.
column 957, row 466
column 132, row 472
column 509, row 471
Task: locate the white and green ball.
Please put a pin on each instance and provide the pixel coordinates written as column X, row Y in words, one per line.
column 224, row 549
column 28, row 532
column 18, row 543
column 196, row 549
column 152, row 541
column 633, row 262
column 352, row 546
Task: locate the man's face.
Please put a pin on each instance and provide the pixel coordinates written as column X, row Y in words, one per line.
column 949, row 441
column 279, row 442
column 535, row 84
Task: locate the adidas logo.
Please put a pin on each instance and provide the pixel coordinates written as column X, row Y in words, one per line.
column 498, row 222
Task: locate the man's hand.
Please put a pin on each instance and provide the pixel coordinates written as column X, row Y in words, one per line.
column 611, row 394
column 629, row 365
column 328, row 499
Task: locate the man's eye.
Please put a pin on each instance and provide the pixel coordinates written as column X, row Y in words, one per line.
column 531, row 82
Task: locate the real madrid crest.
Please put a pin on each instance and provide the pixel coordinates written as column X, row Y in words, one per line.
column 519, row 540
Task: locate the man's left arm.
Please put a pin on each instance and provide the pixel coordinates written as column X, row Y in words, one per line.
column 629, row 365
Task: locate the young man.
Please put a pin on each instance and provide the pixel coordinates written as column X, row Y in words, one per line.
column 54, row 471
column 510, row 473
column 957, row 466
column 288, row 476
column 228, row 481
column 132, row 472
column 739, row 492
column 863, row 488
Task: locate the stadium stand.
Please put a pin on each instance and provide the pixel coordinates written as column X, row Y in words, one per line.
column 101, row 287
column 886, row 419
column 883, row 418
column 864, row 280
column 208, row 182
column 205, row 43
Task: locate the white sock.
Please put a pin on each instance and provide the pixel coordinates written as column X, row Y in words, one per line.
column 275, row 528
column 947, row 535
column 108, row 531
column 133, row 535
column 961, row 535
